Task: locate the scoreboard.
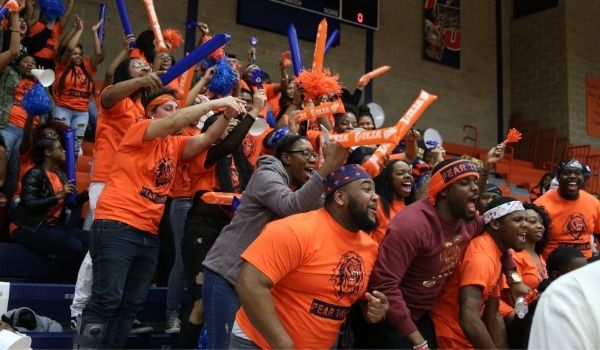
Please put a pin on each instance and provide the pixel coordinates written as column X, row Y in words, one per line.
column 363, row 13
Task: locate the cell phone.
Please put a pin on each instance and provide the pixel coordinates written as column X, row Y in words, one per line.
column 325, row 132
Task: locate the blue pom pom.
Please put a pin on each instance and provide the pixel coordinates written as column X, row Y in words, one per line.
column 271, row 142
column 224, row 79
column 51, row 10
column 36, row 101
column 257, row 77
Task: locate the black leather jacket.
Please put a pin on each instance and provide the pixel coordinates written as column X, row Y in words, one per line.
column 37, row 197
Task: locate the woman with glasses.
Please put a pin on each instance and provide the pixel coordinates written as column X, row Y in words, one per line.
column 39, row 217
column 282, row 185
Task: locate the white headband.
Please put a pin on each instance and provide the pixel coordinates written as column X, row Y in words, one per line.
column 502, row 210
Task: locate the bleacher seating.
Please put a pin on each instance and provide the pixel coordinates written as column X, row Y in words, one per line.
column 53, row 301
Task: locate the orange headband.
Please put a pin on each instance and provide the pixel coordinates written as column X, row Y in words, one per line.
column 159, row 100
column 449, row 174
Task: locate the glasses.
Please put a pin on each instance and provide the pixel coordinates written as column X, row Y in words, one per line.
column 306, row 153
column 138, row 65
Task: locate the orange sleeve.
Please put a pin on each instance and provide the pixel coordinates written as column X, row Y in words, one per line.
column 477, row 269
column 35, row 28
column 597, row 223
column 270, row 90
column 134, row 137
column 276, row 252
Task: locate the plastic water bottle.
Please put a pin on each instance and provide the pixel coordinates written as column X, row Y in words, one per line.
column 521, row 307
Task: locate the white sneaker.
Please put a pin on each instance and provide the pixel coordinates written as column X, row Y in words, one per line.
column 173, row 324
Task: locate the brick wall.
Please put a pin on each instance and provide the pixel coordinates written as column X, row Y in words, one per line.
column 539, row 69
column 466, row 95
column 582, row 58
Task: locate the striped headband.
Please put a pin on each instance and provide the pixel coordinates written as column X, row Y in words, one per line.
column 449, row 174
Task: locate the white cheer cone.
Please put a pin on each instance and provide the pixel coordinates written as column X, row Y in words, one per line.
column 44, row 76
column 258, row 127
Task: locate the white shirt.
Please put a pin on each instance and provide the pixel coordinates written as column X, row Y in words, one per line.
column 568, row 313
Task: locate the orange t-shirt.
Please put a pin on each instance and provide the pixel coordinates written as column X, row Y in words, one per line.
column 112, row 124
column 318, row 268
column 55, row 211
column 17, row 114
column 573, row 222
column 481, row 266
column 140, row 179
column 49, row 52
column 395, row 207
column 76, row 92
column 253, row 146
column 182, row 185
column 26, row 164
column 529, row 271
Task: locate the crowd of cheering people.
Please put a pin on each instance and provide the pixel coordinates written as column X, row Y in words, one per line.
column 315, row 252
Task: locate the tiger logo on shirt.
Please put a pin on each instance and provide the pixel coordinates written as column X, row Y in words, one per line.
column 164, row 171
column 575, row 225
column 348, row 276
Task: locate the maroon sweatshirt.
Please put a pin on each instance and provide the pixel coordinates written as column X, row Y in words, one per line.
column 416, row 256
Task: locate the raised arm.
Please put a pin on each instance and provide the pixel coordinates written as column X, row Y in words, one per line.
column 125, row 88
column 65, row 58
column 98, row 55
column 494, row 156
column 15, row 42
column 197, row 89
column 110, row 70
column 67, row 16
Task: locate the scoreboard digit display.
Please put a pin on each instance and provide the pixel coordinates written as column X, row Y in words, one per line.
column 362, row 13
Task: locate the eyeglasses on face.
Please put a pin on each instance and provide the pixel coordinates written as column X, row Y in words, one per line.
column 306, row 153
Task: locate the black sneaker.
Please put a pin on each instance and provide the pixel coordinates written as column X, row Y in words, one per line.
column 140, row 328
column 73, row 323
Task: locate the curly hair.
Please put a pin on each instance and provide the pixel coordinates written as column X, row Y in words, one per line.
column 546, row 221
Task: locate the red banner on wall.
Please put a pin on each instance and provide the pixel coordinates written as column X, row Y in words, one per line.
column 592, row 90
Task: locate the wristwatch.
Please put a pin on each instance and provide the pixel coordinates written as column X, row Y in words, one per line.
column 514, row 278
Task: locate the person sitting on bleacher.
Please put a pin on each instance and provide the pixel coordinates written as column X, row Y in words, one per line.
column 38, row 222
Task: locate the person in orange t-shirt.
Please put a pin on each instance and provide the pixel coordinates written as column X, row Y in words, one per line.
column 575, row 213
column 530, row 264
column 130, row 208
column 466, row 314
column 74, row 85
column 303, row 273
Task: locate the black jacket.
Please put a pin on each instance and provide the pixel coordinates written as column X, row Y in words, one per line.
column 37, row 197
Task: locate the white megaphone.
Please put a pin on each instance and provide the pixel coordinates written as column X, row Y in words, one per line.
column 14, row 341
column 258, row 127
column 432, row 139
column 377, row 113
column 44, row 76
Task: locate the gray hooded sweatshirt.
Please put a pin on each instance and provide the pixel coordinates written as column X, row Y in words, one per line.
column 267, row 197
column 35, row 323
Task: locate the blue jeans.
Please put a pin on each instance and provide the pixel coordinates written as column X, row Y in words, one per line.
column 124, row 260
column 67, row 244
column 176, row 286
column 72, row 119
column 12, row 135
column 221, row 303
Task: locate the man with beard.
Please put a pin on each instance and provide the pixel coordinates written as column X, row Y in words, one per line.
column 303, row 272
column 423, row 246
column 575, row 213
column 458, row 317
